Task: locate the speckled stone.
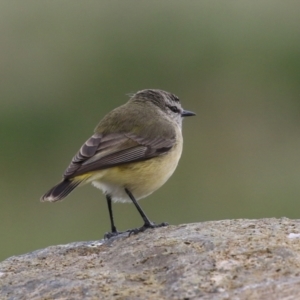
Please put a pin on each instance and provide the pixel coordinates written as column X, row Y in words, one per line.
column 229, row 259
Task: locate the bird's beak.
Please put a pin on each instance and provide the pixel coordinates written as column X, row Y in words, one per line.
column 187, row 113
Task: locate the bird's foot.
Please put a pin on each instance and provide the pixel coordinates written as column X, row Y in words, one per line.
column 109, row 235
column 145, row 227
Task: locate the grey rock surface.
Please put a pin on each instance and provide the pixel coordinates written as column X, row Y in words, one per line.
column 229, row 259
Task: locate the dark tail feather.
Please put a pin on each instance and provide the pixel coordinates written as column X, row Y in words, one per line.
column 61, row 190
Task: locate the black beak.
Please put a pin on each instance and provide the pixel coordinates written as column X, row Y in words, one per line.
column 187, row 113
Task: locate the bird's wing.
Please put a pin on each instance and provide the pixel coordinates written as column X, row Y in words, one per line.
column 105, row 151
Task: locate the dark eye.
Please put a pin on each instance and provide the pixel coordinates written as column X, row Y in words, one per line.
column 174, row 109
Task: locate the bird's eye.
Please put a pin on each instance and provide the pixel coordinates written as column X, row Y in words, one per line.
column 174, row 109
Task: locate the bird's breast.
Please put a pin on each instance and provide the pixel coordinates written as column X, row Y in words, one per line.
column 141, row 178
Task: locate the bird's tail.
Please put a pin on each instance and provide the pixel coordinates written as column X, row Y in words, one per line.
column 61, row 190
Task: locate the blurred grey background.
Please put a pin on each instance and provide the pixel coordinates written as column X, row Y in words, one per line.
column 65, row 64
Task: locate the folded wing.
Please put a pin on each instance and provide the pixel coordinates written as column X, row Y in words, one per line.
column 105, row 151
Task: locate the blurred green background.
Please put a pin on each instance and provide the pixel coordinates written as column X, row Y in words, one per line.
column 65, row 64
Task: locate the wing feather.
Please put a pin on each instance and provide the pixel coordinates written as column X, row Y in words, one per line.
column 105, row 151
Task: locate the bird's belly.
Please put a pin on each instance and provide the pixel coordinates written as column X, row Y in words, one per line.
column 140, row 178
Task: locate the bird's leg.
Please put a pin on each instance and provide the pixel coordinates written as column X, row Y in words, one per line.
column 147, row 222
column 114, row 230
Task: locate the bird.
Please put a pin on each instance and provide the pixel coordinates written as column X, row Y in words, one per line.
column 134, row 150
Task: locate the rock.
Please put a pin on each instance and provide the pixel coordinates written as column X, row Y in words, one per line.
column 230, row 259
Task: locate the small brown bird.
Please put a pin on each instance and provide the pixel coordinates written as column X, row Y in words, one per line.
column 133, row 152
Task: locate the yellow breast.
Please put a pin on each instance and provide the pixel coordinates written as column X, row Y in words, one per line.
column 141, row 178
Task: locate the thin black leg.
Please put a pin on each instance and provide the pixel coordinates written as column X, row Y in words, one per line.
column 114, row 231
column 143, row 215
column 113, row 227
column 147, row 222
